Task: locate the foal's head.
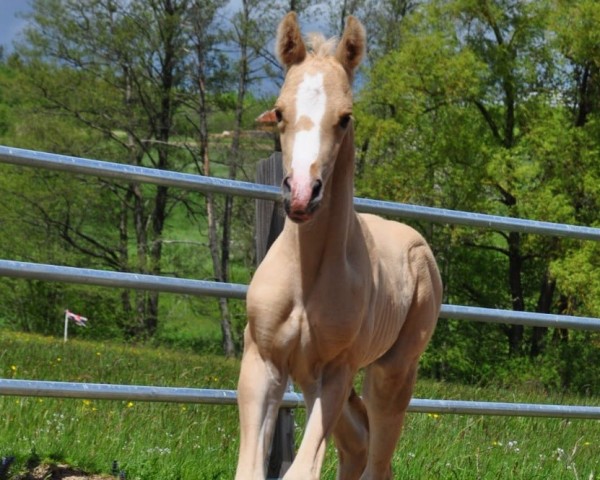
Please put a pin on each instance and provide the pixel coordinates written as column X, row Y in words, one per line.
column 314, row 110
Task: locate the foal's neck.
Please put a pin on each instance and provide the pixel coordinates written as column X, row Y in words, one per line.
column 326, row 237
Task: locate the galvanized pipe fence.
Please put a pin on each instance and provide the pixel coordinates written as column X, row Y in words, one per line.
column 129, row 173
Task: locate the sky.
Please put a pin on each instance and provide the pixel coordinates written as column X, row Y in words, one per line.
column 11, row 27
column 10, row 24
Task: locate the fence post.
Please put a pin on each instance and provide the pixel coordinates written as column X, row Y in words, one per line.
column 269, row 223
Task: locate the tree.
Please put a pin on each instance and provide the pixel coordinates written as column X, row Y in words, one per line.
column 202, row 39
column 247, row 36
column 131, row 56
column 575, row 149
column 155, row 71
column 473, row 88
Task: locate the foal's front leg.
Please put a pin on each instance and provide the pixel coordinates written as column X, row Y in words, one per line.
column 260, row 389
column 325, row 398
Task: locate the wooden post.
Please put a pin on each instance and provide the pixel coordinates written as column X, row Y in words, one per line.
column 269, row 215
column 269, row 223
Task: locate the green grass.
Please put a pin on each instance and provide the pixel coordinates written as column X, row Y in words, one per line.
column 191, row 442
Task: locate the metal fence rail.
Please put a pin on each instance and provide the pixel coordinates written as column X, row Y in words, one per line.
column 105, row 278
column 97, row 391
column 138, row 281
column 128, row 173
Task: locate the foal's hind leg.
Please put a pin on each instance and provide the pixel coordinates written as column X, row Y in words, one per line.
column 389, row 382
column 351, row 437
column 387, row 395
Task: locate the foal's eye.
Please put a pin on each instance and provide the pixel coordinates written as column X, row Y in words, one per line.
column 278, row 115
column 345, row 120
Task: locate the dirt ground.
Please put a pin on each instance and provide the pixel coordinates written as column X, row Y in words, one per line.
column 59, row 472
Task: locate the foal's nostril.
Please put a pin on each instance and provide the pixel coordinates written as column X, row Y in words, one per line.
column 285, row 185
column 316, row 190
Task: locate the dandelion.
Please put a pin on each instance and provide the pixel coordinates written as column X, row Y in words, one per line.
column 13, row 368
column 435, row 416
column 512, row 445
column 129, row 404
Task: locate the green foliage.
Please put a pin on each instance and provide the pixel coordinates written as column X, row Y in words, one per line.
column 119, row 82
column 576, row 274
column 482, row 106
column 474, row 353
column 492, row 107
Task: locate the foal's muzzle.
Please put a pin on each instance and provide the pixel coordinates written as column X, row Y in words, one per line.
column 301, row 201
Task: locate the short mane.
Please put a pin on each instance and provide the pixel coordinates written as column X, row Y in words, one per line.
column 320, row 46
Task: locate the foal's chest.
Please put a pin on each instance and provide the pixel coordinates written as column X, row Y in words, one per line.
column 330, row 316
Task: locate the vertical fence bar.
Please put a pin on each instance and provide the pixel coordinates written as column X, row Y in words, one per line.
column 269, row 223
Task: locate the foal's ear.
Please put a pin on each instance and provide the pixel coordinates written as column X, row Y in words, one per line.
column 290, row 46
column 351, row 49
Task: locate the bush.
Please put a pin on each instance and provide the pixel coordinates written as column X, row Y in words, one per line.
column 476, row 353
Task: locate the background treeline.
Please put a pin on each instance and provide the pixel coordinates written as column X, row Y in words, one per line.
column 486, row 106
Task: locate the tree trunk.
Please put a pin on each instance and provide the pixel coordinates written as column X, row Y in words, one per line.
column 124, row 256
column 226, row 330
column 538, row 336
column 515, row 332
column 227, row 342
column 235, row 142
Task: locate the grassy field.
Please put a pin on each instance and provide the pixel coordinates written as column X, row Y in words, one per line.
column 193, row 442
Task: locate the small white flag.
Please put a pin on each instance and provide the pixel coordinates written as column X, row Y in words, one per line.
column 78, row 319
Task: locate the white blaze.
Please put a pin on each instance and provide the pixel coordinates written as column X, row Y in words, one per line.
column 310, row 103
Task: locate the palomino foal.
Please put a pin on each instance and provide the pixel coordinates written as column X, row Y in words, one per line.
column 337, row 291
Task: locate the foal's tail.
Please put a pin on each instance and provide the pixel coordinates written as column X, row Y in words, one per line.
column 358, row 407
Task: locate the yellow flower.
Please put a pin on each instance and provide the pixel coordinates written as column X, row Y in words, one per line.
column 87, row 403
column 129, row 404
column 435, row 416
column 13, row 368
